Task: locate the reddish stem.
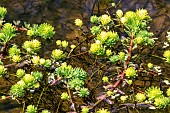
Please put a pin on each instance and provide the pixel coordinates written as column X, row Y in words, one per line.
column 123, row 73
column 21, row 29
column 127, row 63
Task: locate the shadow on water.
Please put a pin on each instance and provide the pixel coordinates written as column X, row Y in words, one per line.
column 62, row 13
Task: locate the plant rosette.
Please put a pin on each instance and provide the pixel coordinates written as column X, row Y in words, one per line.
column 28, row 79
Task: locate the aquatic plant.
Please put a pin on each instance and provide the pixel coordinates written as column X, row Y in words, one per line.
column 46, row 31
column 38, row 75
column 32, row 47
column 94, row 19
column 3, row 71
column 97, row 48
column 115, row 52
column 7, row 33
column 167, row 55
column 64, row 96
column 140, row 97
column 64, row 44
column 20, row 73
column 28, row 79
column 105, row 79
column 150, row 65
column 130, row 72
column 123, row 98
column 78, row 22
column 31, row 109
column 162, row 102
column 3, row 12
column 14, row 51
column 17, row 90
column 45, row 111
column 103, row 111
column 119, row 13
column 85, row 110
column 57, row 54
column 153, row 92
column 168, row 92
column 35, row 60
column 83, row 92
column 105, row 19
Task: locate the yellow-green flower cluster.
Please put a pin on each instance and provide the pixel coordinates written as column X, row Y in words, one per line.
column 64, row 70
column 153, row 93
column 20, row 73
column 167, row 55
column 3, row 12
column 45, row 31
column 32, row 46
column 57, row 54
column 62, row 43
column 123, row 98
column 31, row 109
column 78, row 22
column 95, row 30
column 121, row 56
column 109, row 38
column 142, row 38
column 162, row 102
column 134, row 21
column 142, row 14
column 103, row 111
column 97, row 49
column 105, row 79
column 73, row 46
column 28, row 79
column 102, row 37
column 140, row 97
column 150, row 65
column 36, row 60
column 45, row 111
column 108, row 52
column 16, row 58
column 131, row 72
column 119, row 13
column 3, row 70
column 14, row 54
column 168, row 92
column 156, row 95
column 83, row 92
column 17, row 90
column 94, row 19
column 26, row 82
column 85, row 110
column 64, row 96
column 7, row 32
column 75, row 76
column 105, row 19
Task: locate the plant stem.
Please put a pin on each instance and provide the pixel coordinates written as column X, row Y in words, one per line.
column 69, row 93
column 41, row 95
column 123, row 73
column 127, row 63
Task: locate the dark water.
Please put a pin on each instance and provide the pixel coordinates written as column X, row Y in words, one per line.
column 62, row 13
